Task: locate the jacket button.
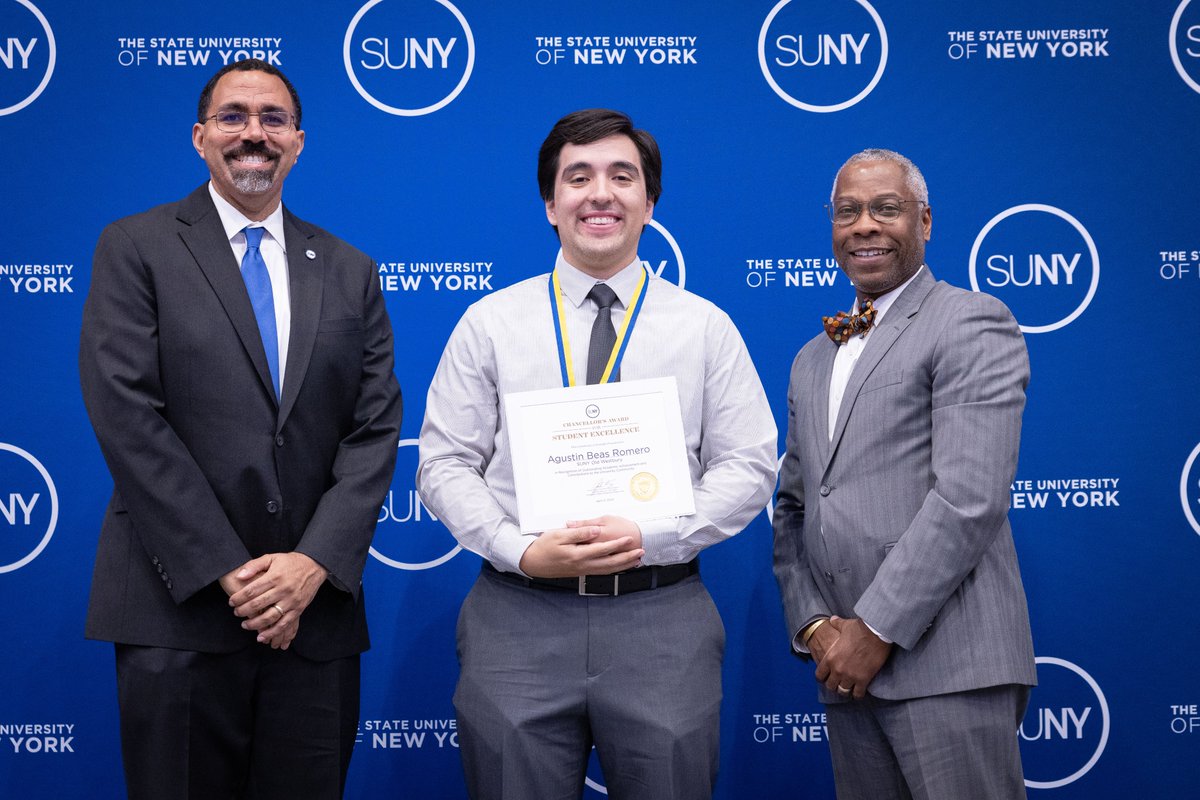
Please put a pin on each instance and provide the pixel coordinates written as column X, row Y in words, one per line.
column 154, row 560
column 279, row 441
column 272, row 507
column 829, row 577
column 163, row 575
column 825, row 490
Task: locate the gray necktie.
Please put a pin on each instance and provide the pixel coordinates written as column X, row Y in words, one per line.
column 604, row 336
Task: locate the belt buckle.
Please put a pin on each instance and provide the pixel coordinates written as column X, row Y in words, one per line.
column 616, row 586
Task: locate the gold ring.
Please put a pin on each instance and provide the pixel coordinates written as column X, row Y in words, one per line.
column 841, row 689
column 277, row 608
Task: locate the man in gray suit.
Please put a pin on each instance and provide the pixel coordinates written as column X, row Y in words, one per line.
column 236, row 363
column 893, row 550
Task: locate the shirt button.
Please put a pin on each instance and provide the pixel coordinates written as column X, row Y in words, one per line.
column 272, row 507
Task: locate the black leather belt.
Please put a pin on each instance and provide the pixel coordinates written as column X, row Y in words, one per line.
column 634, row 580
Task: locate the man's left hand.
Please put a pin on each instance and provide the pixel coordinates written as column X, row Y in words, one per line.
column 854, row 660
column 278, row 588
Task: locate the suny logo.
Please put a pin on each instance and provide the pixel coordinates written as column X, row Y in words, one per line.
column 1040, row 261
column 28, row 507
column 1189, row 489
column 405, row 524
column 1185, row 43
column 822, row 55
column 1066, row 726
column 27, row 54
column 409, row 58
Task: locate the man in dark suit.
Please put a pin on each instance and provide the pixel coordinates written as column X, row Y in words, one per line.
column 892, row 545
column 236, row 363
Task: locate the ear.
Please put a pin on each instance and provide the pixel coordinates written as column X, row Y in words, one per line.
column 550, row 215
column 927, row 222
column 649, row 212
column 198, row 138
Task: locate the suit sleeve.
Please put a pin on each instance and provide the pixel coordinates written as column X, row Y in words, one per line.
column 338, row 536
column 170, row 502
column 980, row 369
column 802, row 601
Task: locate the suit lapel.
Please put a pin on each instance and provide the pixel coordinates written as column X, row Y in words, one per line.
column 898, row 317
column 820, row 404
column 204, row 237
column 305, row 268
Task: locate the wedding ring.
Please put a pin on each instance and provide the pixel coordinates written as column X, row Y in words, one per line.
column 841, row 689
column 277, row 608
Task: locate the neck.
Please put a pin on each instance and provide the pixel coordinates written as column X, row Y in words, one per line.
column 255, row 208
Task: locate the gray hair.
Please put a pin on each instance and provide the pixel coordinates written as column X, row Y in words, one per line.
column 913, row 178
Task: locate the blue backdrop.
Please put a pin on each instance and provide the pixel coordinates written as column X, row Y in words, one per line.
column 1059, row 143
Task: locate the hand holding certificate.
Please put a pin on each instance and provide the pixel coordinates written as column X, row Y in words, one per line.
column 586, row 451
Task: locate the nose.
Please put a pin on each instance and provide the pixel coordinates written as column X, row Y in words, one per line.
column 602, row 191
column 254, row 130
column 865, row 225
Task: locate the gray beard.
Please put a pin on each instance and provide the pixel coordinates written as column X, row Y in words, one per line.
column 253, row 181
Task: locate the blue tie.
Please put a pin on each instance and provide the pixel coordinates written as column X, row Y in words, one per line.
column 258, row 285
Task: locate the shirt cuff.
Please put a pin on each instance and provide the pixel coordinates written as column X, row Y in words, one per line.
column 658, row 536
column 508, row 550
column 882, row 638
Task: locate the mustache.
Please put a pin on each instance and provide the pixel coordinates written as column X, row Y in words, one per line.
column 252, row 149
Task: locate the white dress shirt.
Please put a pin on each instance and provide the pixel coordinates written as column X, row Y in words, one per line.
column 274, row 254
column 506, row 343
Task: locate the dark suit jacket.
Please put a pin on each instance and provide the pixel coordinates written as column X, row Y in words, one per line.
column 209, row 470
column 902, row 519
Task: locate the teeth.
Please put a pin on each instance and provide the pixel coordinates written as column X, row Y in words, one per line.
column 252, row 159
column 868, row 253
column 601, row 220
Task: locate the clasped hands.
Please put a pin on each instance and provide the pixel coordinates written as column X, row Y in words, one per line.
column 271, row 592
column 848, row 655
column 599, row 546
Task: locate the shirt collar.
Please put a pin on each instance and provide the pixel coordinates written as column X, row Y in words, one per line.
column 576, row 284
column 885, row 301
column 234, row 221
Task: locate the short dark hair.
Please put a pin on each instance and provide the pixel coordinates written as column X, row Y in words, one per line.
column 246, row 65
column 592, row 125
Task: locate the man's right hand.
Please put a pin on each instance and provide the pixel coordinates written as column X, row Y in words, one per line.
column 570, row 552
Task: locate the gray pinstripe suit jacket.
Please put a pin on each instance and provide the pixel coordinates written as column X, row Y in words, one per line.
column 901, row 519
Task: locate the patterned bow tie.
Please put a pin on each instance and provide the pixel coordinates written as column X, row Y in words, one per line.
column 843, row 326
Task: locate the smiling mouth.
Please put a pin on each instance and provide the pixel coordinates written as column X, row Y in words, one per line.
column 870, row 252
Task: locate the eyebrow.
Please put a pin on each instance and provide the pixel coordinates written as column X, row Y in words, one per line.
column 584, row 166
column 239, row 106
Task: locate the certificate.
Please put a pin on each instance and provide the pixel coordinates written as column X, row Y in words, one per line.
column 584, row 451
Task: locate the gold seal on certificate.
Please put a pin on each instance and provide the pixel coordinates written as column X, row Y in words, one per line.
column 584, row 451
column 643, row 486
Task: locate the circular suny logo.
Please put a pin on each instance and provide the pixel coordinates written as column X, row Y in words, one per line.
column 1040, row 261
column 661, row 254
column 822, row 55
column 406, row 529
column 409, row 58
column 1185, row 43
column 1066, row 726
column 1189, row 489
column 27, row 54
column 28, row 507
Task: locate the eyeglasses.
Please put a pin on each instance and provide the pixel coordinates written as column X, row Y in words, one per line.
column 232, row 121
column 882, row 209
